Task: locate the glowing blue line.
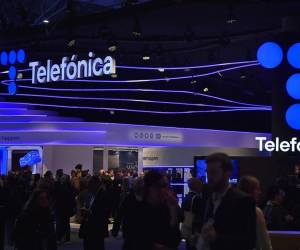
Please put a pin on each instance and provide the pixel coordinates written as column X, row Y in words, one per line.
column 184, row 67
column 156, row 79
column 128, row 100
column 143, row 111
column 54, row 131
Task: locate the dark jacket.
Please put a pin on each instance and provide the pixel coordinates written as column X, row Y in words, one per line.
column 34, row 230
column 97, row 221
column 235, row 222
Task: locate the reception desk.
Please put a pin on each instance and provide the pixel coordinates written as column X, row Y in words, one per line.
column 285, row 240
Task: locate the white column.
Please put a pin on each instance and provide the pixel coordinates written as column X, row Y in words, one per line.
column 140, row 160
column 105, row 159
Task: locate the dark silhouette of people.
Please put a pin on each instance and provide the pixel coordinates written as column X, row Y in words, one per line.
column 129, row 215
column 229, row 216
column 34, row 228
column 64, row 205
column 94, row 228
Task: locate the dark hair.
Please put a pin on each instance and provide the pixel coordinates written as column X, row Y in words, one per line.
column 154, row 178
column 224, row 159
column 31, row 203
column 48, row 174
column 246, row 184
column 78, row 166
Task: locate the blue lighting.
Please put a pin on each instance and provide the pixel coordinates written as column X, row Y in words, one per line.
column 12, row 57
column 3, row 160
column 21, row 56
column 12, row 88
column 293, row 116
column 3, row 58
column 293, row 86
column 30, row 159
column 293, row 55
column 12, row 73
column 269, row 55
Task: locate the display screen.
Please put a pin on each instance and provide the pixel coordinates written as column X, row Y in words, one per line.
column 200, row 165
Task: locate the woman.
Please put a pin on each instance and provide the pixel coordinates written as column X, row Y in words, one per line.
column 34, row 229
column 159, row 222
column 251, row 186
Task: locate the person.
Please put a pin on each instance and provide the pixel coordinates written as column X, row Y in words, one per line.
column 128, row 215
column 64, row 205
column 251, row 186
column 191, row 206
column 34, row 228
column 94, row 228
column 159, row 226
column 276, row 216
column 229, row 215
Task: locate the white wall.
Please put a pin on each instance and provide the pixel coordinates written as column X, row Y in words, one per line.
column 66, row 157
column 185, row 156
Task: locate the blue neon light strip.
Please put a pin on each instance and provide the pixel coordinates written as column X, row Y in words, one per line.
column 145, row 111
column 162, row 79
column 3, row 161
column 131, row 100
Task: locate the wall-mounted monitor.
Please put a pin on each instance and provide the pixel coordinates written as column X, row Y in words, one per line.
column 200, row 169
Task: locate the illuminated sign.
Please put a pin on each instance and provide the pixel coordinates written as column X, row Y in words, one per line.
column 278, row 146
column 71, row 69
column 31, row 158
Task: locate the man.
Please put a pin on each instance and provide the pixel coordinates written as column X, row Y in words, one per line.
column 94, row 229
column 229, row 217
column 192, row 206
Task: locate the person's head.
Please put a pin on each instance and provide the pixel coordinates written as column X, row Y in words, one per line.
column 38, row 200
column 297, row 169
column 251, row 186
column 78, row 167
column 154, row 183
column 195, row 185
column 94, row 184
column 73, row 173
column 219, row 170
column 276, row 195
column 48, row 175
column 59, row 173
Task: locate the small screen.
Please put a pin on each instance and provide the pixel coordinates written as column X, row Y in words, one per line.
column 201, row 170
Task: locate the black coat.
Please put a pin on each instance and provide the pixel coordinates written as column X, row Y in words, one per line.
column 235, row 222
column 34, row 230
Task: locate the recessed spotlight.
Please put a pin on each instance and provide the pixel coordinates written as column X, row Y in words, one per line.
column 19, row 76
column 112, row 112
column 112, row 48
column 71, row 43
column 220, row 74
column 114, row 75
column 46, row 21
column 231, row 20
column 187, row 70
column 205, row 90
column 193, row 82
column 243, row 76
column 161, row 70
column 146, row 58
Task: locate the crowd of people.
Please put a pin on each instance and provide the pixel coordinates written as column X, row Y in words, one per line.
column 144, row 208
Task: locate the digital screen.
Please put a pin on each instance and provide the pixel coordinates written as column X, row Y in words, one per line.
column 31, row 158
column 201, row 170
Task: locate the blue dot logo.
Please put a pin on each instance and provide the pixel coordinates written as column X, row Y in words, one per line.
column 12, row 57
column 293, row 116
column 21, row 56
column 3, row 58
column 293, row 55
column 12, row 73
column 12, row 88
column 270, row 55
column 293, row 86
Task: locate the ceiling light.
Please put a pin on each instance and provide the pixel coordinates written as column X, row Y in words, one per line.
column 231, row 20
column 193, row 82
column 205, row 90
column 161, row 70
column 243, row 77
column 146, row 58
column 187, row 70
column 46, row 21
column 71, row 43
column 114, row 75
column 220, row 74
column 112, row 48
column 19, row 76
column 112, row 112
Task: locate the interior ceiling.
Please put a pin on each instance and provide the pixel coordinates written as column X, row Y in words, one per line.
column 172, row 33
